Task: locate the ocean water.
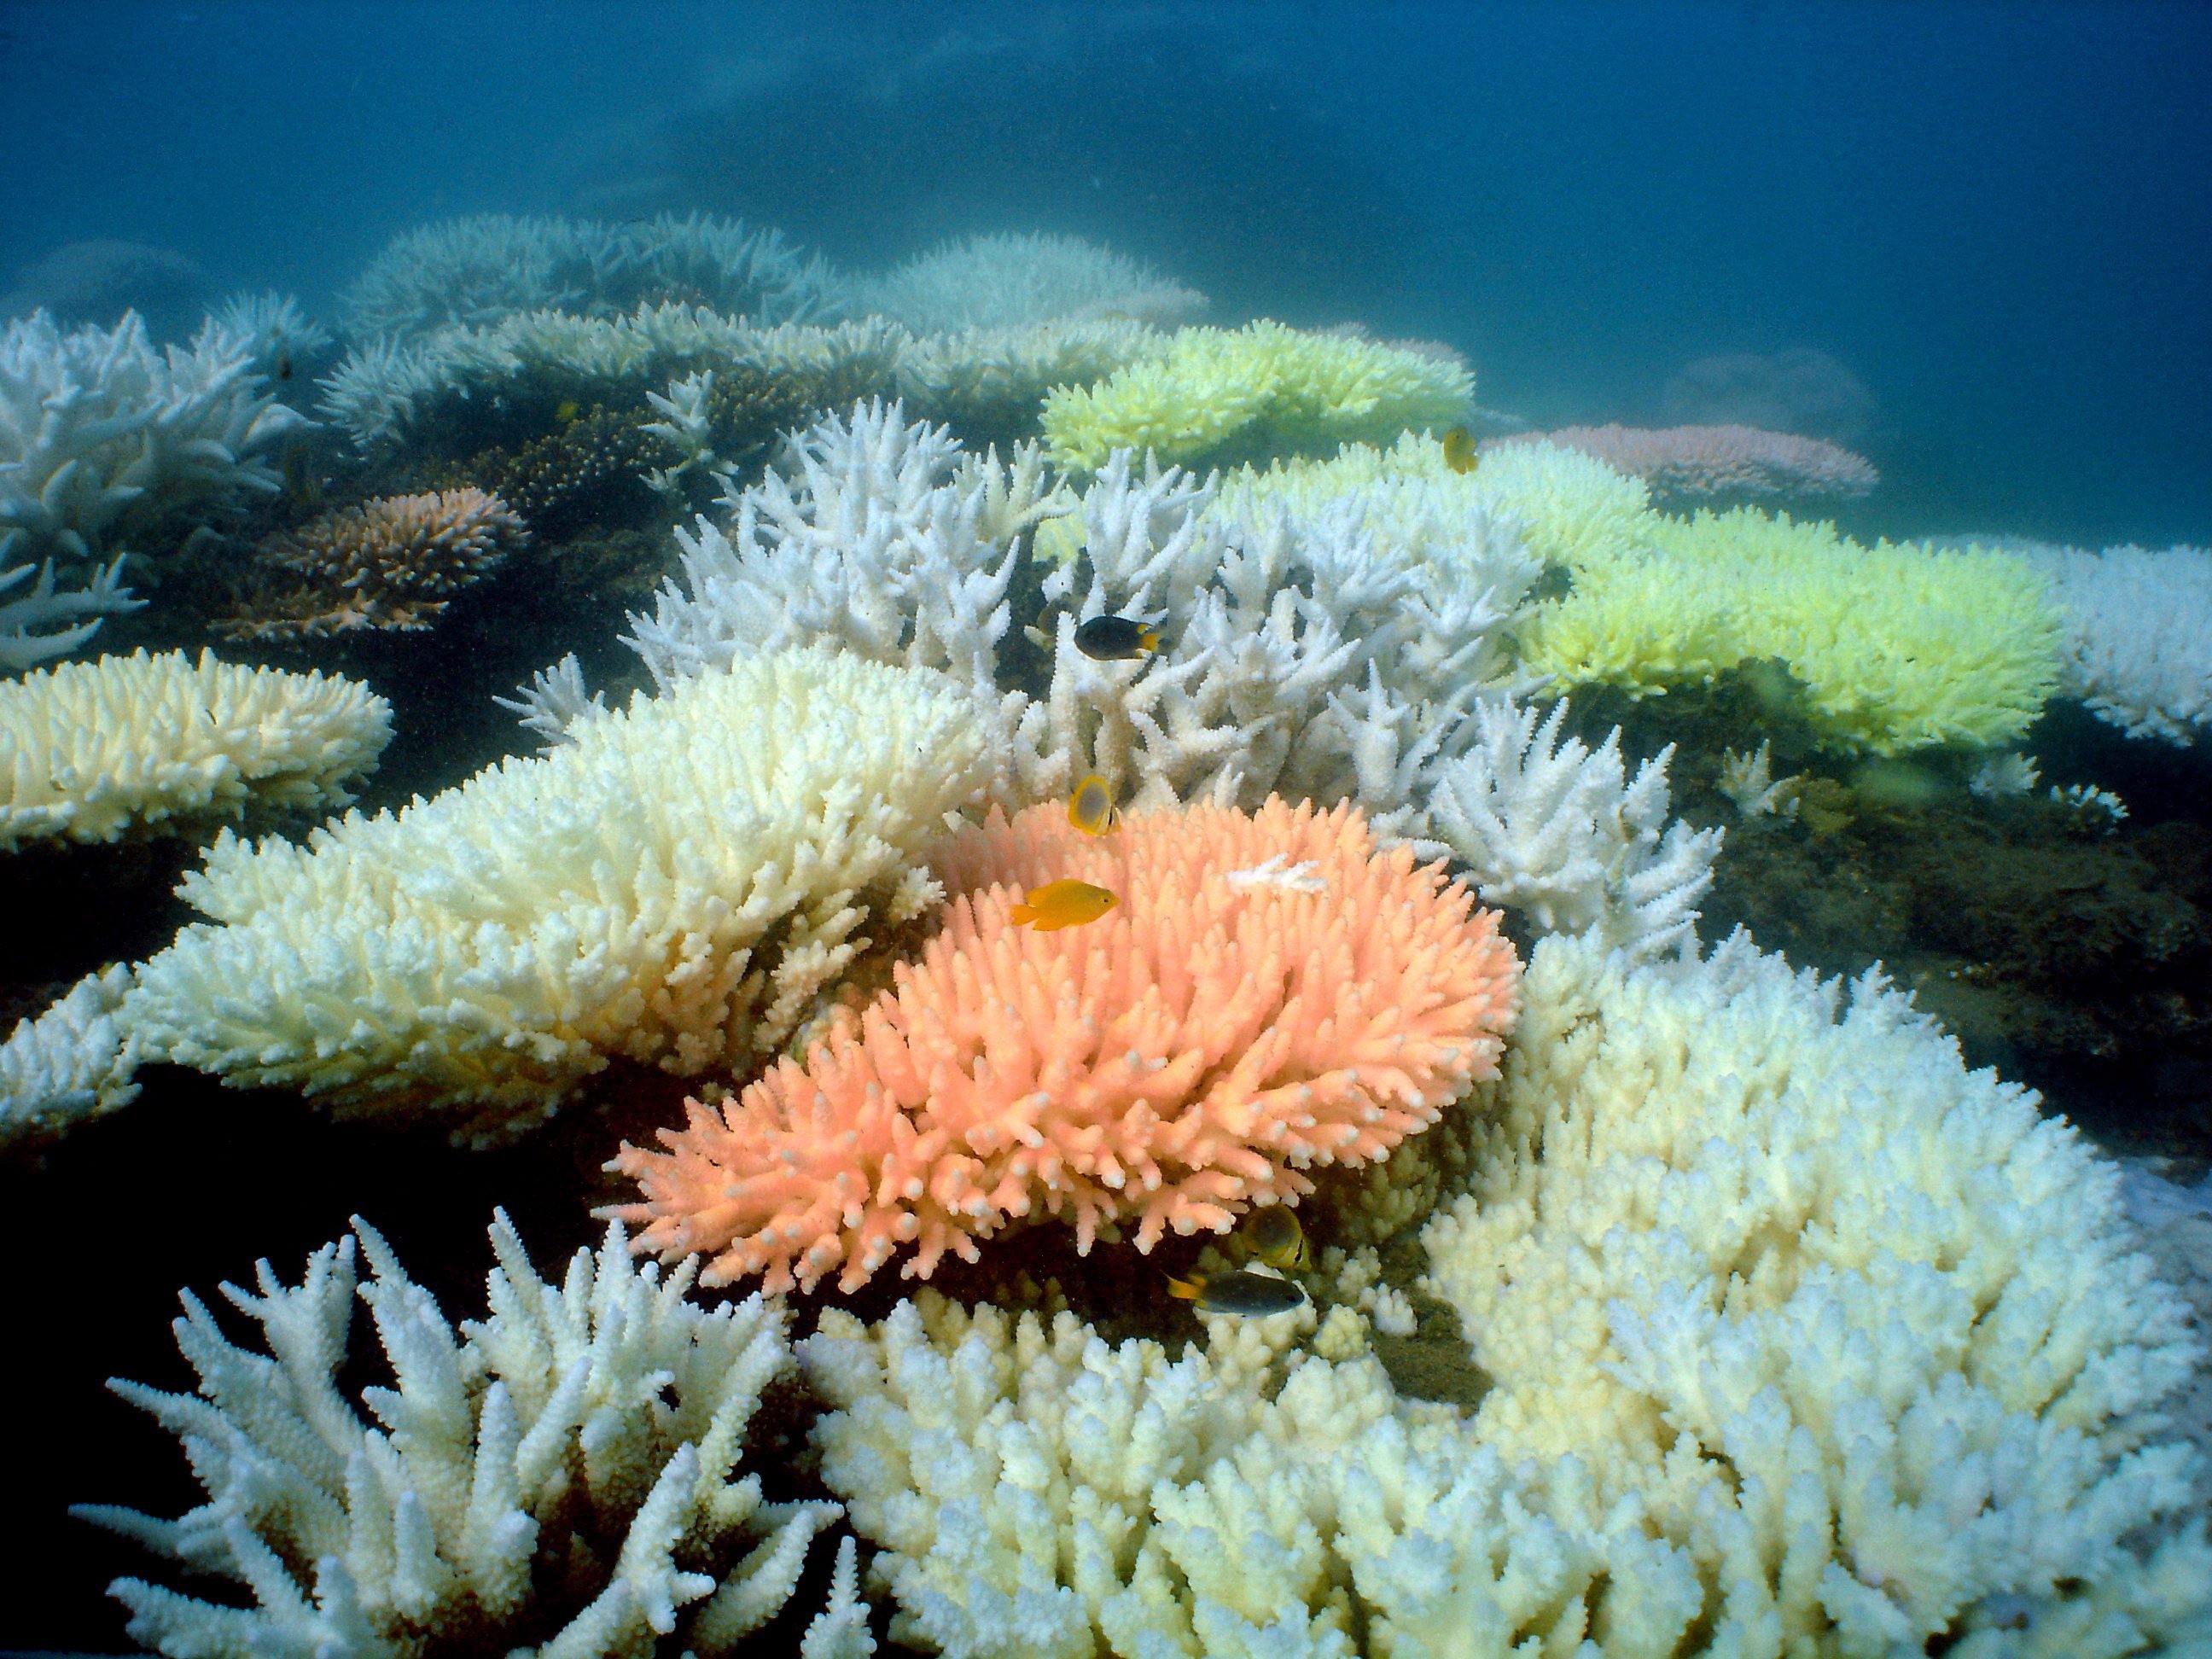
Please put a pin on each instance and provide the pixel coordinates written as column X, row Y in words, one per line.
column 1967, row 243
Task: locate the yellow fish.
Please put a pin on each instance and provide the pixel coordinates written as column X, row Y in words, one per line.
column 567, row 410
column 1091, row 808
column 1459, row 450
column 1238, row 1292
column 1276, row 1237
column 1059, row 904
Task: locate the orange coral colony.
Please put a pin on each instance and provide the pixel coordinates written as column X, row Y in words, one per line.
column 1271, row 993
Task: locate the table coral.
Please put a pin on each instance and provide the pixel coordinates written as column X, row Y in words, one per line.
column 1689, row 463
column 1191, row 1053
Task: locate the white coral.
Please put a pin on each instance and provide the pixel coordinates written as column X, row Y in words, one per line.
column 2138, row 645
column 1559, row 832
column 43, row 606
column 72, row 1062
column 1009, row 280
column 676, row 883
column 567, row 1465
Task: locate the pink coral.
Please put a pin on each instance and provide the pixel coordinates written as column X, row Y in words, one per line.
column 1271, row 994
column 1702, row 462
column 386, row 563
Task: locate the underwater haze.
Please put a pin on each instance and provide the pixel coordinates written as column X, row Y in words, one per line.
column 1276, row 830
column 1998, row 217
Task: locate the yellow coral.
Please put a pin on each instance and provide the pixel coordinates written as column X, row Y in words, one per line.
column 1265, row 384
column 1897, row 647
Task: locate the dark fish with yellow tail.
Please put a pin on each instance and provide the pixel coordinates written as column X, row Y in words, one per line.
column 1116, row 638
column 1091, row 808
column 1255, row 1295
column 1058, row 905
column 1275, row 1236
column 1459, row 450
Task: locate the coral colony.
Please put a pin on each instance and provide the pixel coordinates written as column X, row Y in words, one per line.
column 1100, row 825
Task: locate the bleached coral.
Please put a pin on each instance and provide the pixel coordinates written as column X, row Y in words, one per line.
column 1749, row 781
column 553, row 700
column 676, row 884
column 996, row 378
column 1799, row 1338
column 474, row 271
column 564, row 1471
column 280, row 336
column 1688, row 464
column 1829, row 1344
column 1003, row 282
column 2093, row 811
column 2138, row 636
column 390, row 563
column 42, row 607
column 104, row 440
column 1560, row 832
column 1191, row 1053
column 91, row 749
column 2002, row 777
column 72, row 1062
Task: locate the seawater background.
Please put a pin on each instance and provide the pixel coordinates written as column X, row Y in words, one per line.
column 1995, row 215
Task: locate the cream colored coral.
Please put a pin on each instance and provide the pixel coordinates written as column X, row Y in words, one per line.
column 88, row 749
column 676, row 884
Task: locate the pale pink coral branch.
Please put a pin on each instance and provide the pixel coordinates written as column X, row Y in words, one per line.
column 1182, row 1058
column 1703, row 462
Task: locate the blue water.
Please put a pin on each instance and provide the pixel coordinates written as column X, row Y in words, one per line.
column 1997, row 216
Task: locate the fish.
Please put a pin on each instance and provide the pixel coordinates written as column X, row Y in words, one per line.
column 567, row 410
column 283, row 365
column 303, row 486
column 1238, row 1292
column 1091, row 808
column 1059, row 904
column 1116, row 638
column 1276, row 1239
column 1459, row 450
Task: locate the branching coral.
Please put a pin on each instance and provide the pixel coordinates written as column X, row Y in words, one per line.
column 995, row 379
column 2138, row 644
column 72, row 1062
column 390, row 563
column 91, row 749
column 104, row 439
column 1262, row 387
column 1270, row 994
column 41, row 606
column 675, row 884
column 564, row 1471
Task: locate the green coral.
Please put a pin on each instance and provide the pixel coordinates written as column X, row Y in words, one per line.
column 1261, row 388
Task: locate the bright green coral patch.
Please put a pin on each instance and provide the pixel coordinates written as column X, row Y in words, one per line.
column 1263, row 386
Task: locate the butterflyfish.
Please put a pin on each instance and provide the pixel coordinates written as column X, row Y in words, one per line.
column 1459, row 450
column 1059, row 904
column 1116, row 638
column 1275, row 1236
column 1238, row 1292
column 1091, row 808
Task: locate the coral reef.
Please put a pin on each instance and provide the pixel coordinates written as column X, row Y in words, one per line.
column 1261, row 388
column 42, row 607
column 390, row 562
column 105, row 442
column 676, row 883
column 992, row 382
column 140, row 743
column 2138, row 645
column 1007, row 282
column 72, row 1062
column 1188, row 1055
column 1690, row 464
column 564, row 1472
column 1800, row 390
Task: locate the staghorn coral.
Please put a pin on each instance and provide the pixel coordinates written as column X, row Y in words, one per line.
column 104, row 441
column 1191, row 1053
column 390, row 562
column 564, row 1472
column 994, row 380
column 1263, row 386
column 72, row 1062
column 676, row 883
column 1694, row 464
column 42, row 607
column 91, row 749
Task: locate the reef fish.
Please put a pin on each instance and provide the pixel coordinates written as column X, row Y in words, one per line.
column 1275, row 1236
column 1459, row 450
column 1059, row 904
column 1091, row 808
column 1116, row 638
column 1238, row 1292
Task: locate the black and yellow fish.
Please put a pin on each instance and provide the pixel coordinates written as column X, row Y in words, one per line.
column 1274, row 1236
column 1091, row 808
column 1116, row 638
column 1240, row 1292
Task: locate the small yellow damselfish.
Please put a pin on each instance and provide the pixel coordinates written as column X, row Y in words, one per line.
column 1091, row 808
column 1059, row 904
column 1459, row 450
